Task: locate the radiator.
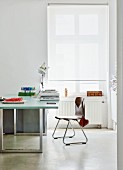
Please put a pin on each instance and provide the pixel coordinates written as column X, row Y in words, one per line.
column 93, row 110
column 66, row 108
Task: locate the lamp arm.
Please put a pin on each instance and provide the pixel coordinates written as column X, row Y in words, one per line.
column 42, row 81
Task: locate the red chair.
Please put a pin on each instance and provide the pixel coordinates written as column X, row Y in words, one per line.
column 79, row 118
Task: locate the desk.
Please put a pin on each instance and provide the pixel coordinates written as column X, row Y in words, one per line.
column 30, row 103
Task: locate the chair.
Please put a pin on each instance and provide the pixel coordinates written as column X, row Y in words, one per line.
column 79, row 118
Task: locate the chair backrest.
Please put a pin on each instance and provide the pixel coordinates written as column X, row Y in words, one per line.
column 79, row 106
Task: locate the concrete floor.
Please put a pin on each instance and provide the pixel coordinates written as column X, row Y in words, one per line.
column 100, row 153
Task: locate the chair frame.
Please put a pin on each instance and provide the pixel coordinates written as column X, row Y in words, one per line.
column 69, row 123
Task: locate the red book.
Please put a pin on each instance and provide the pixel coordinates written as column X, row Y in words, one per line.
column 14, row 100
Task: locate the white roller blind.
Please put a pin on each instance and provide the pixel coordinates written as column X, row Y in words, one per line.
column 77, row 42
column 78, row 47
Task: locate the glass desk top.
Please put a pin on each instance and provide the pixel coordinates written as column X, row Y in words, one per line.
column 31, row 103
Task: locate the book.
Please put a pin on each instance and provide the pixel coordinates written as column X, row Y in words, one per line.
column 94, row 93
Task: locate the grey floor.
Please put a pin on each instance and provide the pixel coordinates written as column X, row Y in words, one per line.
column 100, row 153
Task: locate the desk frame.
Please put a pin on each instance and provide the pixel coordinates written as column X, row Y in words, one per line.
column 44, row 124
column 2, row 150
column 29, row 104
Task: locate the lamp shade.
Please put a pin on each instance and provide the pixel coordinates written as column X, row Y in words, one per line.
column 42, row 69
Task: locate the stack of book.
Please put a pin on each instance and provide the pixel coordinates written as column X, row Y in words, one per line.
column 27, row 91
column 50, row 94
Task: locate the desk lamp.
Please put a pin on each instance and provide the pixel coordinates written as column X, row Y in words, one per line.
column 42, row 70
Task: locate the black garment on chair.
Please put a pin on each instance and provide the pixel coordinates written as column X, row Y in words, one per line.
column 79, row 115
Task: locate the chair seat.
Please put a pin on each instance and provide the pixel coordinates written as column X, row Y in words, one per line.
column 68, row 117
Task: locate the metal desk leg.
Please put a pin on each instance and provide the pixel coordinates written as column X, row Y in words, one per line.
column 44, row 122
column 1, row 130
column 41, row 129
column 14, row 121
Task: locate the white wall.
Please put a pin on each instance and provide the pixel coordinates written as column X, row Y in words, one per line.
column 112, row 53
column 22, row 43
column 120, row 86
column 112, row 37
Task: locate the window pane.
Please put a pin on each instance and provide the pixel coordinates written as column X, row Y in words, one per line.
column 62, row 65
column 65, row 25
column 88, row 25
column 89, row 61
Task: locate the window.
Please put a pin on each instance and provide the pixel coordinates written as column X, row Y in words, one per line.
column 77, row 47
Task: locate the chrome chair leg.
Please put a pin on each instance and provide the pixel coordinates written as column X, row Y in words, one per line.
column 55, row 130
column 83, row 133
column 56, row 137
column 69, row 143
